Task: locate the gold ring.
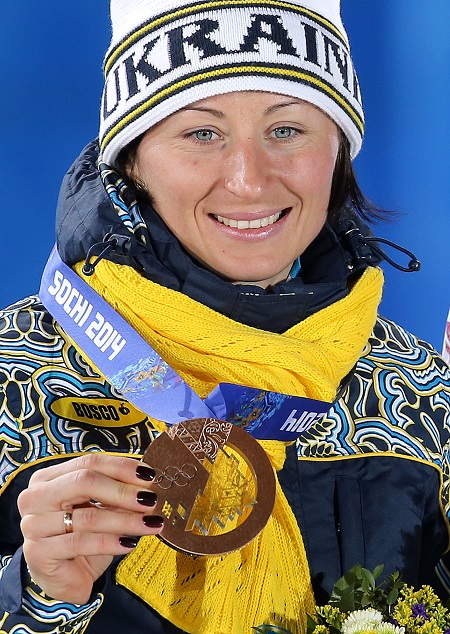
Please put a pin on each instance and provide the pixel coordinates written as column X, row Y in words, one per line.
column 68, row 522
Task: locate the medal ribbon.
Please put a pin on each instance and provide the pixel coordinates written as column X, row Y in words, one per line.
column 140, row 374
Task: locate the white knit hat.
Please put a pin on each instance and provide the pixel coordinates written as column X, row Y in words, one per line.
column 166, row 54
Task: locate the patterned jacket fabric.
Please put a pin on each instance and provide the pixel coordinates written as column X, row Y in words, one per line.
column 369, row 484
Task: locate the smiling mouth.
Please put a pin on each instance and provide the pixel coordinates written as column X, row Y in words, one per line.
column 256, row 223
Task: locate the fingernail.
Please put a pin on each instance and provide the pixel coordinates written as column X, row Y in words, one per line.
column 145, row 473
column 128, row 542
column 146, row 498
column 153, row 521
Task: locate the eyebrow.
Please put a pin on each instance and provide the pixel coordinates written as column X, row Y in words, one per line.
column 220, row 115
column 216, row 113
column 278, row 106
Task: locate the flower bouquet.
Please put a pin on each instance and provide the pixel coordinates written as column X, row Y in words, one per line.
column 359, row 606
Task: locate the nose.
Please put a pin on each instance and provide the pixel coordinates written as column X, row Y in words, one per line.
column 246, row 170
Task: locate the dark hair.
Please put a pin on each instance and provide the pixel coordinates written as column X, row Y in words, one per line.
column 345, row 191
column 126, row 159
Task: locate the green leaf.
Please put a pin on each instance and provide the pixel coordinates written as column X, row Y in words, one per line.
column 368, row 577
column 392, row 596
column 378, row 570
column 345, row 601
column 342, row 585
column 311, row 624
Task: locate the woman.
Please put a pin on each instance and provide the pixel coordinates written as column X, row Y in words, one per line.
column 219, row 215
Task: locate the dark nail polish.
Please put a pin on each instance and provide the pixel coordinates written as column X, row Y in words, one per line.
column 153, row 521
column 128, row 542
column 146, row 498
column 145, row 473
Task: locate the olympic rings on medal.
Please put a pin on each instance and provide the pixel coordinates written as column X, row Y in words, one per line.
column 175, row 476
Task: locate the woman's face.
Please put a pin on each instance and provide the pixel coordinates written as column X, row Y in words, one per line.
column 243, row 180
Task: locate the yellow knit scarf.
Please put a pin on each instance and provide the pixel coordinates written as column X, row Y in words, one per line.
column 268, row 580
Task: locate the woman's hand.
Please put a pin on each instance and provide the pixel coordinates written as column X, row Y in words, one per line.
column 68, row 541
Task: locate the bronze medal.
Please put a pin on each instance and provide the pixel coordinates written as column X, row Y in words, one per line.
column 215, row 486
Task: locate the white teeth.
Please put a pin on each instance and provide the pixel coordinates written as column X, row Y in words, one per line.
column 249, row 224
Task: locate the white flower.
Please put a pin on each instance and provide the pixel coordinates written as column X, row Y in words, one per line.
column 361, row 620
column 369, row 621
column 390, row 628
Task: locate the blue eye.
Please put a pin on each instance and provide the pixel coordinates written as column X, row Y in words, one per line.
column 284, row 132
column 203, row 135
